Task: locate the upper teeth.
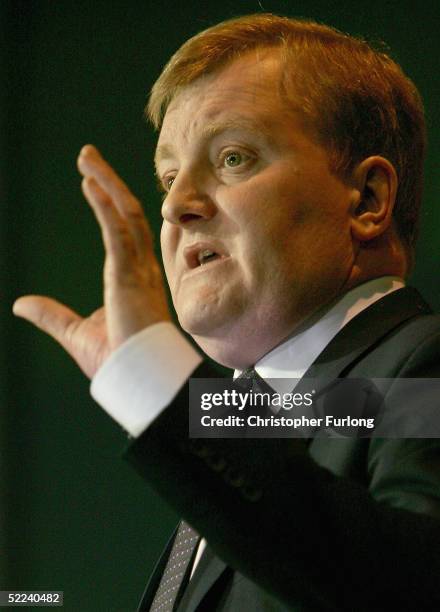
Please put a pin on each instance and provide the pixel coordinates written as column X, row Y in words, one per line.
column 204, row 255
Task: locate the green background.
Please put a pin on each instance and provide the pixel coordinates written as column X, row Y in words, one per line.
column 73, row 516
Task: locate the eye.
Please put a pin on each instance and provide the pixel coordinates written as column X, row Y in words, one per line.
column 235, row 162
column 164, row 184
column 233, row 159
column 168, row 182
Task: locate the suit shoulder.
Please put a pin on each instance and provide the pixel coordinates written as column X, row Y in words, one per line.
column 421, row 336
column 418, row 330
column 412, row 349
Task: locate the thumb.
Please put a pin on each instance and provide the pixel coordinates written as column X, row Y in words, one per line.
column 50, row 316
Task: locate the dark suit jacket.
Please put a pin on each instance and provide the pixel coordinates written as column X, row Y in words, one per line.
column 337, row 524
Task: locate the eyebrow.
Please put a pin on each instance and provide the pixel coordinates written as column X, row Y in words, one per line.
column 242, row 124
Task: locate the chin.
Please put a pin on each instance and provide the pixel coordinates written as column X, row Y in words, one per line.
column 231, row 345
column 225, row 353
column 208, row 314
column 213, row 333
column 200, row 321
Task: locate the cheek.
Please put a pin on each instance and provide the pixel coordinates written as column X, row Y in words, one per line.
column 293, row 239
column 168, row 245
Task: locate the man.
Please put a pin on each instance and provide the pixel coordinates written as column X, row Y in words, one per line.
column 290, row 156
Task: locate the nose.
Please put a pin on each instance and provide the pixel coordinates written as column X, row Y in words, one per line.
column 188, row 200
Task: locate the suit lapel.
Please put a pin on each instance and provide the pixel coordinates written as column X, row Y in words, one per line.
column 208, row 571
column 154, row 580
column 365, row 330
column 346, row 349
column 356, row 339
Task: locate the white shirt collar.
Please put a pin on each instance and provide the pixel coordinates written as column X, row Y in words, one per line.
column 294, row 356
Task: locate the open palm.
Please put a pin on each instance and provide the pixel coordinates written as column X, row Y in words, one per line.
column 134, row 293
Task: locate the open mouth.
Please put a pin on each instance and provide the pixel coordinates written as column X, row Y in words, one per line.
column 202, row 254
column 205, row 256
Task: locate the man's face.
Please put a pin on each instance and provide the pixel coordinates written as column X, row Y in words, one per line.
column 256, row 233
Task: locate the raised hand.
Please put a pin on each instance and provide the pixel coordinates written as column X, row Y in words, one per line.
column 134, row 294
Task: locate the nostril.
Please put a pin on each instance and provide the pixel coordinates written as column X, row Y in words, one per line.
column 185, row 218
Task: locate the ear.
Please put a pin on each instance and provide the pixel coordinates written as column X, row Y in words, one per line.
column 376, row 183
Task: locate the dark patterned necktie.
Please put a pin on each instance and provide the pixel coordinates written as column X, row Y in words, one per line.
column 250, row 380
column 177, row 568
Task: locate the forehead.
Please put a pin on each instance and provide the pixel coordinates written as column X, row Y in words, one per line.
column 245, row 93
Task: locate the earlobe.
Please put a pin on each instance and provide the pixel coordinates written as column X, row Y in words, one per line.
column 376, row 182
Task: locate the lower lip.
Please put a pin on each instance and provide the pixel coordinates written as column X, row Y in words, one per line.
column 211, row 265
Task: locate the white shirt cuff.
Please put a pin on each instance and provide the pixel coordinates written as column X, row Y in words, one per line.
column 142, row 376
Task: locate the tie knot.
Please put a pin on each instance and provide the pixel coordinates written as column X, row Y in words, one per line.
column 249, row 374
column 250, row 379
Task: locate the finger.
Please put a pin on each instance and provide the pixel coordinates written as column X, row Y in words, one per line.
column 121, row 256
column 50, row 316
column 92, row 165
column 141, row 232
